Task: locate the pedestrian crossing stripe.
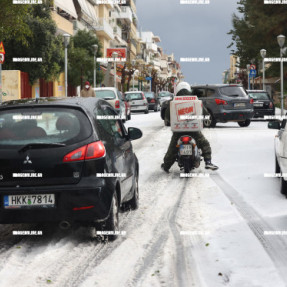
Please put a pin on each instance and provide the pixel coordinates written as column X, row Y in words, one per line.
column 2, row 51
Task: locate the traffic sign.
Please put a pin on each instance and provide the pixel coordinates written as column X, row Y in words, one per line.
column 252, row 73
column 252, row 67
column 148, row 78
column 2, row 50
column 2, row 58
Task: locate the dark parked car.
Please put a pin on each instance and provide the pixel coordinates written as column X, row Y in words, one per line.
column 153, row 101
column 164, row 96
column 263, row 104
column 164, row 106
column 55, row 156
column 225, row 103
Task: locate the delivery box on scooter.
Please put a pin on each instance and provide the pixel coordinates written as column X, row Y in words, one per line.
column 186, row 114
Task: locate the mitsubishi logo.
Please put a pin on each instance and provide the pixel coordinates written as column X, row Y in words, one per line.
column 27, row 161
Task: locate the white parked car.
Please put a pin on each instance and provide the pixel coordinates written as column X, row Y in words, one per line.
column 138, row 101
column 114, row 97
column 281, row 152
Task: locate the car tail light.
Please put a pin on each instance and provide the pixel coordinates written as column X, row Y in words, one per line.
column 90, row 151
column 117, row 104
column 270, row 105
column 152, row 101
column 76, row 155
column 185, row 139
column 220, row 102
column 251, row 101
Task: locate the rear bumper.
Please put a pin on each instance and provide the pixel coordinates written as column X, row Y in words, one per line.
column 96, row 198
column 260, row 113
column 138, row 108
column 151, row 106
column 233, row 115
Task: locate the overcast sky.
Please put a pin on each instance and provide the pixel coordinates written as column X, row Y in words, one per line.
column 192, row 31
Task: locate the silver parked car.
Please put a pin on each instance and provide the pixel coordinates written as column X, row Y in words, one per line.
column 114, row 97
column 280, row 152
column 138, row 101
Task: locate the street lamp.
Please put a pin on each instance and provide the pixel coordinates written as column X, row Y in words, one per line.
column 95, row 46
column 263, row 54
column 114, row 55
column 133, row 64
column 66, row 43
column 248, row 73
column 281, row 41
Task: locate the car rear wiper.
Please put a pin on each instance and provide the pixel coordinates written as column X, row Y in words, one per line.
column 109, row 98
column 39, row 145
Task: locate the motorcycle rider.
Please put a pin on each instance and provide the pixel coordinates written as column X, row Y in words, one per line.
column 183, row 89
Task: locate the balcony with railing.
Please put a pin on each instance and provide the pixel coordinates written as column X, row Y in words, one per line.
column 151, row 47
column 103, row 28
column 125, row 14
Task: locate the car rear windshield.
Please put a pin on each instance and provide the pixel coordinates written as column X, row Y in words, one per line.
column 235, row 92
column 135, row 96
column 43, row 125
column 164, row 94
column 259, row 96
column 149, row 95
column 105, row 94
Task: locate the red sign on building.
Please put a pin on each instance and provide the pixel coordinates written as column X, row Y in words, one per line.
column 122, row 52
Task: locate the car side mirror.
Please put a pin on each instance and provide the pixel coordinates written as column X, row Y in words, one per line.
column 134, row 133
column 274, row 125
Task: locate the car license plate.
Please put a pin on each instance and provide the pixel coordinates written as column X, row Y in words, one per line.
column 29, row 200
column 239, row 105
column 185, row 149
column 258, row 104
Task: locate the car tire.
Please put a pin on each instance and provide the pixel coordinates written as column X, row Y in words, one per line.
column 246, row 123
column 112, row 223
column 283, row 188
column 134, row 202
column 277, row 167
column 212, row 121
column 166, row 123
column 162, row 114
column 146, row 111
column 129, row 117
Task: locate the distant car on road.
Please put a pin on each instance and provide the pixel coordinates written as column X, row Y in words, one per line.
column 114, row 97
column 263, row 104
column 62, row 161
column 225, row 103
column 164, row 96
column 153, row 102
column 138, row 101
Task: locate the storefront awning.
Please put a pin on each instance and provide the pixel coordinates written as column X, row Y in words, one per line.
column 68, row 6
column 88, row 9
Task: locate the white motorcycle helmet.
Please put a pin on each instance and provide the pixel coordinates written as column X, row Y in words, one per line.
column 182, row 86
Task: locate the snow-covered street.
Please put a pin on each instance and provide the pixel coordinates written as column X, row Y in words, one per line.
column 187, row 232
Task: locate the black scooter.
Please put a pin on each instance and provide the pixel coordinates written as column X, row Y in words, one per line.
column 188, row 156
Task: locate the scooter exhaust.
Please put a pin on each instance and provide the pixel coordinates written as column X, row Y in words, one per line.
column 64, row 225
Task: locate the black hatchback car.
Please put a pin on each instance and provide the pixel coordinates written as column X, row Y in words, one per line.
column 153, row 101
column 66, row 160
column 225, row 103
column 263, row 104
